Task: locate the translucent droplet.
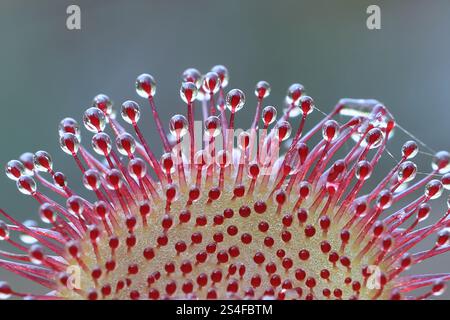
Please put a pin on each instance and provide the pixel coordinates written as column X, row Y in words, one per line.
column 47, row 213
column 357, row 107
column 69, row 143
column 101, row 209
column 145, row 86
column 211, row 83
column 43, row 161
column 306, row 105
column 192, row 75
column 423, row 211
column 178, row 125
column 446, row 181
column 14, row 169
column 243, row 140
column 94, row 120
column 92, row 179
column 4, row 231
column 223, row 74
column 103, row 102
column 438, row 288
column 167, row 163
column 130, row 112
column 291, row 110
column 36, row 253
column 60, row 179
column 434, row 189
column 75, row 205
column 374, row 138
column 126, row 144
column 137, row 168
column 101, row 143
column 363, row 170
column 114, row 179
column 407, row 171
column 212, row 126
column 223, row 158
column 262, row 89
column 284, row 129
column 188, row 92
column 5, row 291
column 269, row 115
column 360, row 206
column 330, row 130
column 410, row 149
column 235, row 100
column 26, row 185
column 441, row 162
column 384, row 200
column 69, row 125
column 25, row 238
column 27, row 160
column 295, row 91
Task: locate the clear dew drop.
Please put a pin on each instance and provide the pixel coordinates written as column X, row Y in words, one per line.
column 43, row 161
column 101, row 143
column 441, row 162
column 363, row 170
column 27, row 160
column 192, row 75
column 137, row 168
column 178, row 125
column 330, row 130
column 168, row 163
column 410, row 149
column 69, row 125
column 212, row 126
column 292, row 110
column 130, row 112
column 384, row 200
column 357, row 107
column 188, row 92
column 306, row 105
column 14, row 169
column 262, row 89
column 103, row 102
column 407, row 171
column 47, row 213
column 145, row 86
column 223, row 74
column 126, row 144
column 434, row 189
column 235, row 100
column 69, row 143
column 25, row 238
column 374, row 138
column 244, row 140
column 94, row 120
column 284, row 130
column 269, row 115
column 211, row 83
column 75, row 205
column 92, row 179
column 446, row 181
column 294, row 92
column 26, row 185
column 5, row 290
column 4, row 231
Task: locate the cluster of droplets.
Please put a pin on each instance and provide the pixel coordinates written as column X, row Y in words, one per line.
column 246, row 225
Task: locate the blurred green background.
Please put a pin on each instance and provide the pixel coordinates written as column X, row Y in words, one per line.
column 48, row 72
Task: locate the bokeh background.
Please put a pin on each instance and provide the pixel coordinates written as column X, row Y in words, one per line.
column 48, row 72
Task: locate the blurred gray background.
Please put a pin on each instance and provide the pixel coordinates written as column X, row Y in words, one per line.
column 48, row 72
